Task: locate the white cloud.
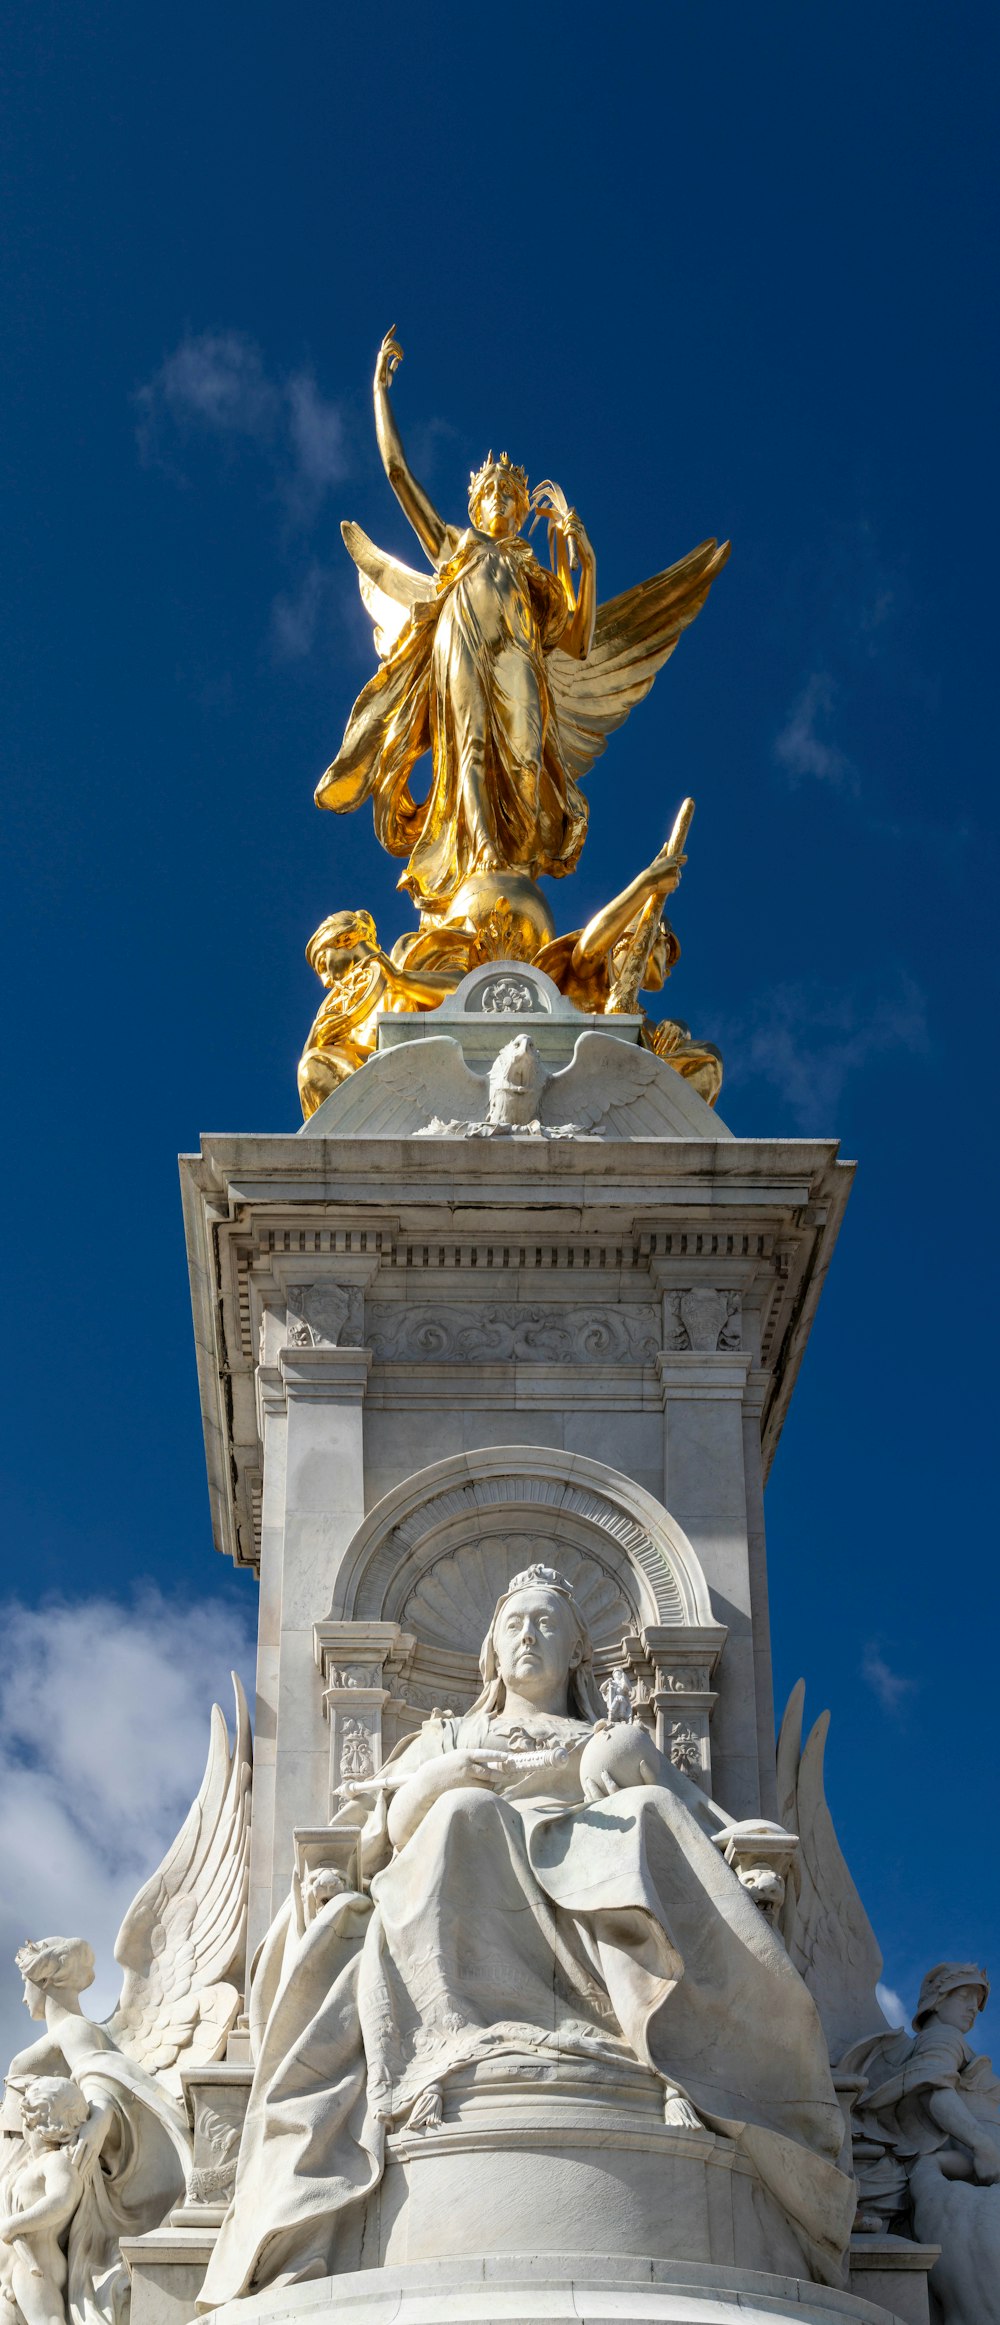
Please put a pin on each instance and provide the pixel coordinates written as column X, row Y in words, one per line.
column 104, row 1713
column 316, row 429
column 801, row 749
column 217, row 381
column 891, row 1687
column 808, row 1042
column 295, row 618
column 895, row 2009
column 215, row 385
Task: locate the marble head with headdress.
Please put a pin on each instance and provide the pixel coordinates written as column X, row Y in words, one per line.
column 57, row 1961
column 947, row 1978
column 583, row 1700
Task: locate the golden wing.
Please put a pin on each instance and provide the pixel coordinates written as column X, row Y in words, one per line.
column 634, row 635
column 389, row 589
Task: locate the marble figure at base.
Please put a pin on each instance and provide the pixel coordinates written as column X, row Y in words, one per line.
column 544, row 1885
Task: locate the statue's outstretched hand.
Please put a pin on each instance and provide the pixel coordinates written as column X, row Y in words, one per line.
column 549, row 501
column 388, row 360
column 618, row 1754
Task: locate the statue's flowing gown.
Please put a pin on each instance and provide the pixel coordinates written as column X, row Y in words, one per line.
column 510, row 1919
column 466, row 679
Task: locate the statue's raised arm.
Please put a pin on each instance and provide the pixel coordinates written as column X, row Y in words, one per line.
column 430, row 529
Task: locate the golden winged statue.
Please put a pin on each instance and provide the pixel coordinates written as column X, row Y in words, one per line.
column 512, row 676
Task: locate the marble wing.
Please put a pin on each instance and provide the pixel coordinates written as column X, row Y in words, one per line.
column 826, row 1930
column 405, row 1092
column 389, row 589
column 615, row 1089
column 184, row 1935
column 634, row 636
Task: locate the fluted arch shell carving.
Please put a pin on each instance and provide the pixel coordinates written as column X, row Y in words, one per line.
column 435, row 1553
column 452, row 1603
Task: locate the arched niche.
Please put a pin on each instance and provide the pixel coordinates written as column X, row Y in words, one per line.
column 558, row 1501
column 417, row 1588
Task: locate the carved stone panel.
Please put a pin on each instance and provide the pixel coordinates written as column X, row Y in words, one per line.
column 506, row 1333
column 325, row 1315
column 703, row 1320
column 217, row 2102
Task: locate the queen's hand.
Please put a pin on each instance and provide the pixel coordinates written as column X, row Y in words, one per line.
column 620, row 1753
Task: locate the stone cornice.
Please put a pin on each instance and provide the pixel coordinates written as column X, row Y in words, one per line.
column 586, row 1231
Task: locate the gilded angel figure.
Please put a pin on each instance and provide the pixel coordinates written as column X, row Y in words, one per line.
column 509, row 673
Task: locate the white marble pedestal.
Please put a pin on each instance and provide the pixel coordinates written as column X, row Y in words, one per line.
column 425, row 1363
column 579, row 2160
column 554, row 2289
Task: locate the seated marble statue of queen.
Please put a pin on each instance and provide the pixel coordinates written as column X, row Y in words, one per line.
column 535, row 1877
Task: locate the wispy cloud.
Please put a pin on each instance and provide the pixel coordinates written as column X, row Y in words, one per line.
column 808, row 1042
column 891, row 1687
column 802, row 748
column 843, row 606
column 215, row 386
column 295, row 616
column 894, row 2007
column 103, row 1733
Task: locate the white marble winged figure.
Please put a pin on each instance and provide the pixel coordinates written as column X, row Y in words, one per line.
column 927, row 2113
column 98, row 2105
column 928, row 2153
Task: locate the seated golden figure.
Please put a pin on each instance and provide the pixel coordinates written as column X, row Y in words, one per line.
column 360, row 979
column 629, row 948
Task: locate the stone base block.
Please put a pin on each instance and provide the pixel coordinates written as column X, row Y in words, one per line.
column 167, row 2269
column 891, row 2270
column 555, row 2289
column 584, row 2167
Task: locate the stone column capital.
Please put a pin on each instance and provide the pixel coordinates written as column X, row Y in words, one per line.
column 684, row 1644
column 325, row 1376
column 685, row 1373
column 352, row 1645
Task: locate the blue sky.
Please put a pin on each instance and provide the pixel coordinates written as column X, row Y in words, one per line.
column 718, row 270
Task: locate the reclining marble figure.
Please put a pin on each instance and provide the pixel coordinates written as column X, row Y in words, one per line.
column 541, row 1881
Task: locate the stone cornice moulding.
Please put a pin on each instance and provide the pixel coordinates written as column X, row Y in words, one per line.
column 423, row 1519
column 263, row 1212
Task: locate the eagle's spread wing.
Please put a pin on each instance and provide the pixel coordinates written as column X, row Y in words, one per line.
column 184, row 1936
column 634, row 636
column 402, row 1092
column 389, row 589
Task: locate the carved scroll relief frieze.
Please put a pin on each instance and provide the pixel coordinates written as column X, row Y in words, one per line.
column 504, row 1333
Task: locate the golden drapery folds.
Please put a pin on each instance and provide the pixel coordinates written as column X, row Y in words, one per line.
column 467, row 678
